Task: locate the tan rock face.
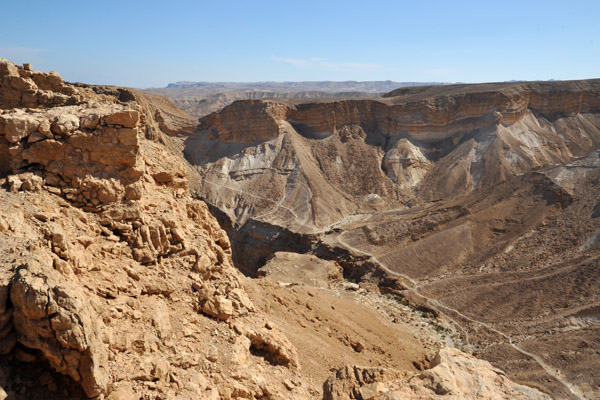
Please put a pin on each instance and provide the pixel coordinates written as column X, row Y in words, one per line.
column 90, row 166
column 113, row 279
column 429, row 120
column 454, row 194
column 452, row 373
column 24, row 87
column 231, row 124
column 288, row 268
column 318, row 162
column 55, row 316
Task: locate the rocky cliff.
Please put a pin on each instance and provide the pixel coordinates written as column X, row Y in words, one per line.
column 328, row 159
column 113, row 278
column 202, row 98
column 471, row 201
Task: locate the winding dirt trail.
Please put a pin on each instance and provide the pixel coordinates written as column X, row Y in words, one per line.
column 555, row 373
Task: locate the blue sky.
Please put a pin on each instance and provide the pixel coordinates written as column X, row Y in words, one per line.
column 151, row 43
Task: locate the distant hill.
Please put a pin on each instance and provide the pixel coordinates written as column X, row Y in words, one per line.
column 202, row 98
column 326, row 86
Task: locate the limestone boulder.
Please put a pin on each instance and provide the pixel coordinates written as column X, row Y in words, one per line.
column 127, row 119
column 65, row 124
column 452, row 374
column 56, row 317
column 218, row 307
column 16, row 127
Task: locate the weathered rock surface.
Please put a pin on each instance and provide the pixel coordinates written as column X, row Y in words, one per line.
column 21, row 87
column 451, row 374
column 114, row 280
column 55, row 316
column 306, row 165
column 293, row 268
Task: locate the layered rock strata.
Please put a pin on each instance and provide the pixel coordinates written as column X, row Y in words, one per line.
column 117, row 283
column 424, row 119
column 306, row 165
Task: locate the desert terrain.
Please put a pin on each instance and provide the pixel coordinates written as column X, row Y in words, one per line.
column 475, row 202
column 439, row 241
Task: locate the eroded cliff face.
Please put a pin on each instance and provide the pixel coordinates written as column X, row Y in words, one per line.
column 421, row 117
column 307, row 165
column 112, row 274
column 115, row 282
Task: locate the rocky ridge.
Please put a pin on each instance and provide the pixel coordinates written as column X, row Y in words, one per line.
column 202, row 98
column 107, row 260
column 294, row 164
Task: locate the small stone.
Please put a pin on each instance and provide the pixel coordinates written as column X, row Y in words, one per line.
column 288, row 384
column 219, row 307
column 36, row 137
column 358, row 346
column 89, row 121
column 53, row 190
column 65, row 124
column 128, row 119
column 17, row 127
column 45, row 129
column 351, row 286
column 370, row 391
column 41, row 216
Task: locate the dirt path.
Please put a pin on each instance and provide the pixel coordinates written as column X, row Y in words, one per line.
column 555, row 373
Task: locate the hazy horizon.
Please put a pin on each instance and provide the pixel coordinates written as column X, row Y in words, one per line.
column 151, row 44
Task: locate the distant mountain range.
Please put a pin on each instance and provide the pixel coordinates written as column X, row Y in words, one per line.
column 202, row 98
column 327, row 86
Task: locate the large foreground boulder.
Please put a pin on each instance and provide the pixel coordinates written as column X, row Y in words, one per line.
column 54, row 316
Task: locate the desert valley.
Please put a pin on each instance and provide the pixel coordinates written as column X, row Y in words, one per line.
column 337, row 240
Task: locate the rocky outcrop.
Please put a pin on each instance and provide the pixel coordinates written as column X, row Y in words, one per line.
column 472, row 201
column 55, row 316
column 114, row 280
column 451, row 373
column 202, row 98
column 232, row 123
column 288, row 268
column 25, row 87
column 87, row 155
